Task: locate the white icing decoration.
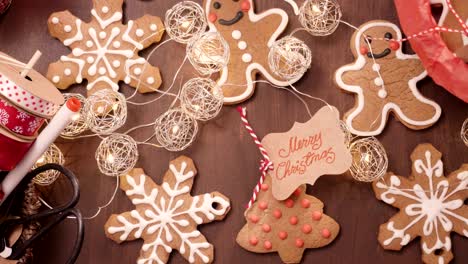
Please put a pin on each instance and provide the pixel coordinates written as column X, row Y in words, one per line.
column 102, row 70
column 382, row 93
column 376, row 67
column 378, row 81
column 67, row 72
column 242, row 45
column 105, row 9
column 246, row 57
column 294, row 6
column 56, row 79
column 67, row 28
column 390, row 106
column 102, row 35
column 129, row 64
column 254, row 67
column 116, row 44
column 78, row 36
column 80, row 63
column 236, row 34
column 90, row 59
column 166, row 217
column 150, row 80
column 432, row 206
column 153, row 27
column 104, row 23
column 139, row 32
column 55, row 20
column 137, row 71
column 116, row 64
column 126, row 37
column 89, row 44
column 105, row 79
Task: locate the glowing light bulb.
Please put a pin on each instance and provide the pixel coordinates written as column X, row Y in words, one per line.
column 316, row 9
column 41, row 160
column 186, row 24
column 115, row 107
column 175, row 129
column 100, row 109
column 110, row 158
column 76, row 117
column 367, row 158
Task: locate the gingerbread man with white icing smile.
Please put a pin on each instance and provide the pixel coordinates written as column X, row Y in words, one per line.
column 250, row 37
column 384, row 80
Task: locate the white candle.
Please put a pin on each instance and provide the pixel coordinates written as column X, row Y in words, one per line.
column 42, row 143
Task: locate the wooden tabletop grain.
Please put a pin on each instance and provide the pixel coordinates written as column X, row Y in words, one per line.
column 226, row 158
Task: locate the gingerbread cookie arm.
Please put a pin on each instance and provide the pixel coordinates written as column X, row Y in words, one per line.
column 65, row 72
column 119, row 227
column 459, row 189
column 145, row 31
column 106, row 12
column 142, row 75
column 65, row 27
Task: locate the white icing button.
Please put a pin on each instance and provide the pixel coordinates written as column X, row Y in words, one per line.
column 89, row 43
column 116, row 44
column 55, row 20
column 90, row 59
column 140, row 32
column 376, row 67
column 102, row 70
column 102, row 35
column 236, row 34
column 105, row 9
column 137, row 71
column 67, row 28
column 127, row 80
column 382, row 93
column 56, row 79
column 150, row 80
column 67, row 72
column 153, row 27
column 378, row 81
column 246, row 58
column 242, row 45
column 116, row 63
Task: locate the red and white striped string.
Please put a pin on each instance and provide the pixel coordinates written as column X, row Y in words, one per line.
column 435, row 29
column 265, row 164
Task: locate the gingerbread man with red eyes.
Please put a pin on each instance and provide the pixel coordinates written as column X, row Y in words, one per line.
column 250, row 37
column 384, row 79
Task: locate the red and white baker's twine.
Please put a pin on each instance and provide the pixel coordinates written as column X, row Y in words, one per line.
column 435, row 29
column 265, row 163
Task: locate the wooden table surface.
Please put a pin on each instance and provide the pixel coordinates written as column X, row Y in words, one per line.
column 225, row 155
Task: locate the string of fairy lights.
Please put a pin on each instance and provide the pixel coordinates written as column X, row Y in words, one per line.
column 200, row 99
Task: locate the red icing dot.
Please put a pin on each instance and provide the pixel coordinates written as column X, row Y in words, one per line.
column 212, row 17
column 253, row 218
column 266, row 228
column 325, row 233
column 245, row 6
column 267, row 245
column 263, row 205
column 297, row 192
column 289, row 203
column 299, row 243
column 305, row 203
column 363, row 50
column 282, row 235
column 264, row 187
column 277, row 213
column 394, row 45
column 293, row 220
column 306, row 229
column 316, row 215
column 253, row 241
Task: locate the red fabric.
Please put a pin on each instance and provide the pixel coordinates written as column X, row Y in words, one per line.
column 18, row 121
column 11, row 152
column 445, row 69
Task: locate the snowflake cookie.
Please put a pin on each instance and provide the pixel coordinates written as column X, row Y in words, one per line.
column 166, row 216
column 104, row 51
column 287, row 227
column 431, row 206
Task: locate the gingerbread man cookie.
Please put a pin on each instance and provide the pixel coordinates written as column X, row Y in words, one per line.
column 458, row 43
column 166, row 216
column 250, row 37
column 431, row 206
column 288, row 227
column 384, row 79
column 104, row 51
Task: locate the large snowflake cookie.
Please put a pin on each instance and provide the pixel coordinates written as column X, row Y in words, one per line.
column 104, row 51
column 250, row 37
column 384, row 79
column 287, row 227
column 431, row 206
column 166, row 216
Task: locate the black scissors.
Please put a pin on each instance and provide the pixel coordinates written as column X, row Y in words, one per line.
column 56, row 215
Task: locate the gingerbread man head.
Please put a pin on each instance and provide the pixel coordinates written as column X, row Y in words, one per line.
column 377, row 41
column 227, row 12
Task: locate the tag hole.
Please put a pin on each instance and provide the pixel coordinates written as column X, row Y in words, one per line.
column 439, row 252
column 216, row 206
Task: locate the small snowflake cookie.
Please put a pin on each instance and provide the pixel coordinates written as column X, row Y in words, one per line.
column 384, row 80
column 431, row 206
column 288, row 227
column 104, row 51
column 166, row 216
